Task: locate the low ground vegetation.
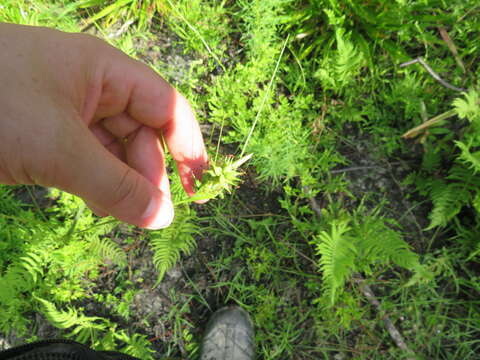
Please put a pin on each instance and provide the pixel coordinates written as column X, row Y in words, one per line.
column 350, row 232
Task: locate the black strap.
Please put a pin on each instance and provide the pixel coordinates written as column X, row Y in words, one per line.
column 59, row 349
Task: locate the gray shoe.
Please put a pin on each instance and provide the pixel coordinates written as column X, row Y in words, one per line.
column 229, row 336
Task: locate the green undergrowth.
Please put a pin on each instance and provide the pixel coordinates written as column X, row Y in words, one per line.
column 51, row 261
column 332, row 199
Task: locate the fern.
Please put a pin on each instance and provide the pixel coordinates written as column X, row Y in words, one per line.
column 168, row 244
column 32, row 266
column 108, row 249
column 431, row 160
column 83, row 328
column 376, row 242
column 338, row 71
column 469, row 158
column 136, row 345
column 361, row 247
column 448, row 196
column 349, row 59
column 29, row 271
column 337, row 253
column 469, row 107
column 461, row 186
column 447, row 202
column 33, row 263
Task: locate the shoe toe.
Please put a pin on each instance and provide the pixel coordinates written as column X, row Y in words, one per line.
column 229, row 336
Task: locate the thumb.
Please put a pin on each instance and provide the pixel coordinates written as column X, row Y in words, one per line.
column 107, row 183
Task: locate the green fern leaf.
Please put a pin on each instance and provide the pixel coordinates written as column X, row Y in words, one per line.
column 431, row 160
column 338, row 71
column 349, row 59
column 468, row 107
column 108, row 249
column 470, row 159
column 33, row 264
column 447, row 201
column 136, row 345
column 84, row 328
column 337, row 253
column 60, row 319
column 168, row 244
column 378, row 243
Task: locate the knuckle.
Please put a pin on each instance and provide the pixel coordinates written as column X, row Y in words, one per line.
column 126, row 190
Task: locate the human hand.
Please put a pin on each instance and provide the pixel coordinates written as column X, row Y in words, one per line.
column 80, row 115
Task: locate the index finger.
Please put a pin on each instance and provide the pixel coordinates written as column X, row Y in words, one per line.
column 155, row 103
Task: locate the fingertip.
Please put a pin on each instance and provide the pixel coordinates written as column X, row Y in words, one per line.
column 201, row 202
column 159, row 213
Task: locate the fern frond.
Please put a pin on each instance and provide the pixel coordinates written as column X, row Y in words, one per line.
column 431, row 160
column 337, row 253
column 33, row 263
column 340, row 70
column 378, row 243
column 470, row 159
column 348, row 60
column 468, row 107
column 60, row 319
column 85, row 328
column 447, row 201
column 169, row 243
column 460, row 173
column 108, row 249
column 136, row 345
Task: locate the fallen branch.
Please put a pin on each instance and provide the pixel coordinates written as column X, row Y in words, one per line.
column 433, row 73
column 354, row 168
column 414, row 132
column 395, row 334
column 367, row 291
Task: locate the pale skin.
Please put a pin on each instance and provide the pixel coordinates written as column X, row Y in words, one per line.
column 81, row 116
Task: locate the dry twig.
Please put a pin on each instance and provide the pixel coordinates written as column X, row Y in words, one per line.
column 433, row 73
column 354, row 168
column 414, row 132
column 392, row 330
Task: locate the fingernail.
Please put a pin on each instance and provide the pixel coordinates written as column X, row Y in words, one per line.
column 159, row 217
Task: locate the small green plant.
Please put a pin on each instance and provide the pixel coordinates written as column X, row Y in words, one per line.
column 167, row 244
column 458, row 188
column 83, row 328
column 130, row 11
column 221, row 177
column 360, row 244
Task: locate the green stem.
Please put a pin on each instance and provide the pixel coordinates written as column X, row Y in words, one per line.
column 264, row 100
